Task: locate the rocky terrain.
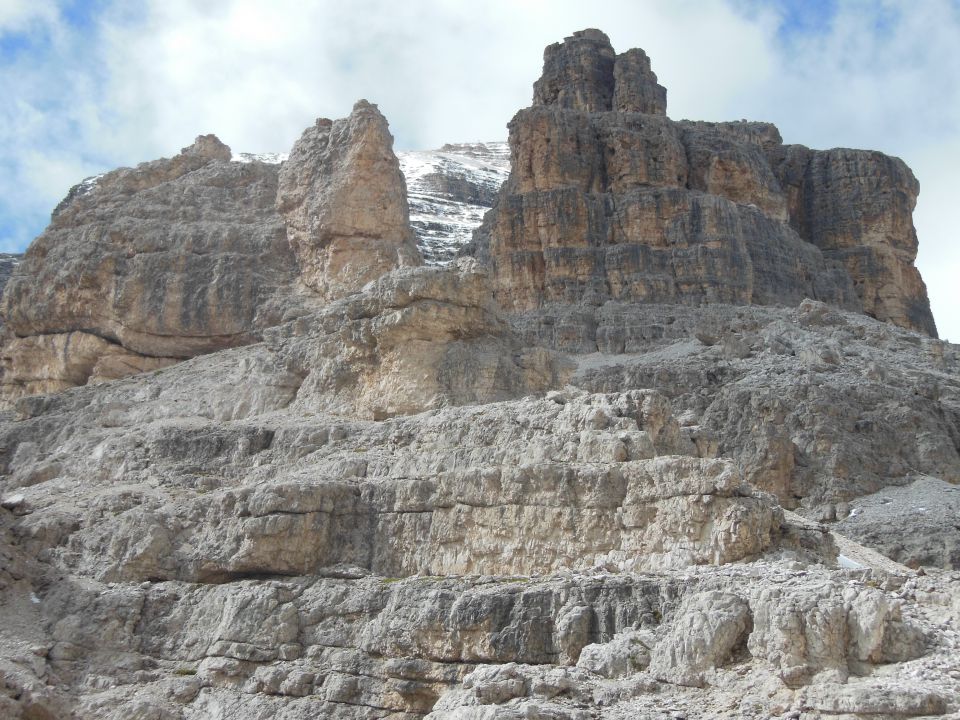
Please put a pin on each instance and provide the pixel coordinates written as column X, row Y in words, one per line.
column 673, row 438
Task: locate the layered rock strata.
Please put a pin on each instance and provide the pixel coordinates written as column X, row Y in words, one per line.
column 608, row 199
column 228, row 534
column 816, row 405
column 401, row 504
column 147, row 266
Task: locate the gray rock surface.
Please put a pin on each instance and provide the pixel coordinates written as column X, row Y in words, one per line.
column 8, row 263
column 583, row 73
column 164, row 261
column 131, row 260
column 402, row 503
column 174, row 258
column 224, row 534
column 817, row 406
column 917, row 524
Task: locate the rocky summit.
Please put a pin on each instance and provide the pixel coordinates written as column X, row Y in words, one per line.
column 608, row 199
column 670, row 435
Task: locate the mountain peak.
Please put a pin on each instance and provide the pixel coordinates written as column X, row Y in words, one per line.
column 584, row 73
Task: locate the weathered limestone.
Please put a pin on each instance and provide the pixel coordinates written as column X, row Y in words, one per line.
column 166, row 260
column 608, row 199
column 344, row 200
column 583, row 73
column 571, row 482
column 169, row 259
column 50, row 363
column 414, row 340
column 180, row 257
column 857, row 206
column 395, row 502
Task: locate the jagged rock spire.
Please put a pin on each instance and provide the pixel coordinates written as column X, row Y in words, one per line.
column 344, row 201
column 584, row 73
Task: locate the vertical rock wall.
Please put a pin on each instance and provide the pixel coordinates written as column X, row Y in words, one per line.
column 608, row 199
column 344, row 202
column 177, row 257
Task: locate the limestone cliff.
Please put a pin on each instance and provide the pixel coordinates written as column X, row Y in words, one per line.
column 143, row 267
column 344, row 201
column 608, row 199
column 385, row 498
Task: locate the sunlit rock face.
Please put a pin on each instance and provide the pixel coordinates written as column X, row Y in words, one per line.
column 344, row 202
column 608, row 199
column 628, row 469
column 178, row 257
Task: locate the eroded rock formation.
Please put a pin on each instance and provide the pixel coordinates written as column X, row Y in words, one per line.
column 344, row 201
column 144, row 267
column 393, row 501
column 608, row 199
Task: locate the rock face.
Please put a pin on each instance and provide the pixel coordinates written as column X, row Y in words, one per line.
column 414, row 340
column 857, row 207
column 391, row 500
column 140, row 259
column 251, row 530
column 584, row 73
column 344, row 201
column 8, row 264
column 174, row 258
column 608, row 199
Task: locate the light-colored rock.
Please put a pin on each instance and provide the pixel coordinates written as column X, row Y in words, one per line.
column 169, row 259
column 344, row 201
column 709, row 631
column 42, row 364
column 414, row 340
column 626, row 654
column 400, row 504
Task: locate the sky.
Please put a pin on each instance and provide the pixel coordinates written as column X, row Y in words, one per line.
column 89, row 85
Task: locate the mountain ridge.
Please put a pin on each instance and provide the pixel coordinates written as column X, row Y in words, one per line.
column 263, row 454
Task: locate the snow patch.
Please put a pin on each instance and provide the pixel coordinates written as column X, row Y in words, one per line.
column 848, row 564
column 268, row 158
column 449, row 191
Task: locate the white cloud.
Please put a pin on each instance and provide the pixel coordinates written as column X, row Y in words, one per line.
column 150, row 77
column 19, row 15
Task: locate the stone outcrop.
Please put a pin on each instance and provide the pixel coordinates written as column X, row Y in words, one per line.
column 166, row 260
column 226, row 533
column 818, row 406
column 584, row 73
column 8, row 263
column 608, row 199
column 414, row 340
column 344, row 201
column 857, row 207
column 393, row 501
column 174, row 258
